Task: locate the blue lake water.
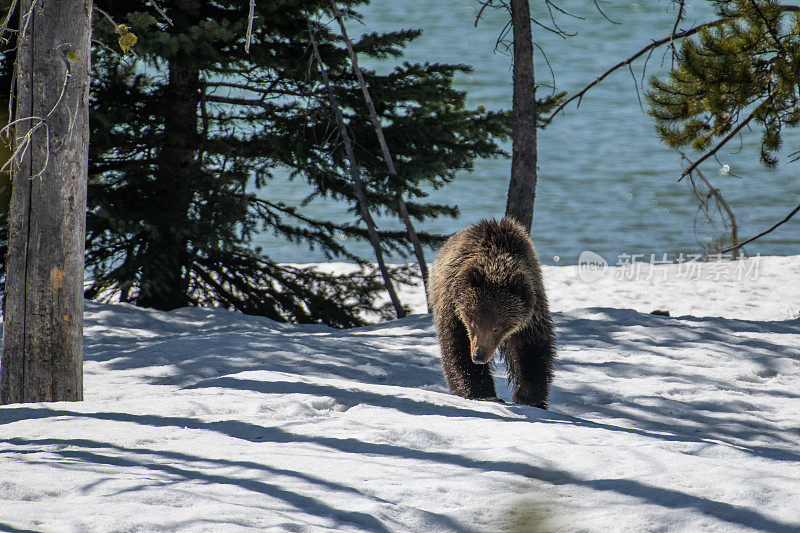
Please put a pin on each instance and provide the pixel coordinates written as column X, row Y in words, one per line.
column 606, row 182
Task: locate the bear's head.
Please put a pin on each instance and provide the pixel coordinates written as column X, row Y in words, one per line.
column 493, row 305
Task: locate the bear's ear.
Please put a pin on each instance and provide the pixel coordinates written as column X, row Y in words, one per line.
column 518, row 284
column 476, row 277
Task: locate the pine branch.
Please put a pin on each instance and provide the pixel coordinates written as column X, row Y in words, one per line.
column 655, row 44
column 769, row 26
column 270, row 89
column 237, row 101
column 724, row 141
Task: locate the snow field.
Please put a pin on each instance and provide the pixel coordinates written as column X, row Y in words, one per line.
column 206, row 420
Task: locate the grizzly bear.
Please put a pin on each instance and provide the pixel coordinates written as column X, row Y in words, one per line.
column 486, row 292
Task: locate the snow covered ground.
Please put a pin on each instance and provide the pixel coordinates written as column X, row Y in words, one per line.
column 206, row 420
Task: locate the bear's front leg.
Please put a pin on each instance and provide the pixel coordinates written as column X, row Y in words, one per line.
column 464, row 377
column 529, row 354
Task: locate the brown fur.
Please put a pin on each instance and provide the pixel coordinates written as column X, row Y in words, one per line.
column 486, row 293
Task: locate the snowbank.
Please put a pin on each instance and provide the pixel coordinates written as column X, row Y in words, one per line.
column 206, row 420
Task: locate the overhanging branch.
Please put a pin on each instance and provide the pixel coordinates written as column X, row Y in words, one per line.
column 724, row 141
column 655, row 44
column 631, row 59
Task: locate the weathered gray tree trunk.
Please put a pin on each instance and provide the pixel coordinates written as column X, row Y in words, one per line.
column 522, row 187
column 43, row 331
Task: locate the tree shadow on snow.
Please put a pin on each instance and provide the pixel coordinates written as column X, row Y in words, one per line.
column 195, row 468
column 211, row 343
column 403, row 353
column 735, row 421
column 349, row 398
column 7, row 528
column 668, row 498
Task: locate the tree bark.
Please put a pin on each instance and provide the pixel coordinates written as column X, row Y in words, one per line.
column 522, row 186
column 43, row 330
column 164, row 282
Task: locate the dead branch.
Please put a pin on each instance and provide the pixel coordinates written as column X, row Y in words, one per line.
column 23, row 141
column 600, row 9
column 751, row 239
column 160, row 11
column 355, row 174
column 629, row 60
column 681, row 12
column 108, row 18
column 4, row 27
column 480, row 12
column 250, row 18
column 387, row 156
column 703, row 199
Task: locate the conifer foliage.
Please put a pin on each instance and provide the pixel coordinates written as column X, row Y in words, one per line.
column 188, row 135
column 741, row 71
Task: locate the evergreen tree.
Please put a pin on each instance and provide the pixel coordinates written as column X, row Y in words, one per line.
column 741, row 70
column 186, row 138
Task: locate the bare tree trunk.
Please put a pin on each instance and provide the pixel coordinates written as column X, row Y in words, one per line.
column 522, row 187
column 358, row 185
column 43, row 331
column 387, row 156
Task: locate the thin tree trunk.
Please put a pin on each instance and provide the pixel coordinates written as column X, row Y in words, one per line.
column 387, row 156
column 522, row 187
column 355, row 174
column 43, row 331
column 164, row 280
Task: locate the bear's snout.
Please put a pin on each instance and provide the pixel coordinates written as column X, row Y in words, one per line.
column 483, row 341
column 481, row 356
column 482, row 348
